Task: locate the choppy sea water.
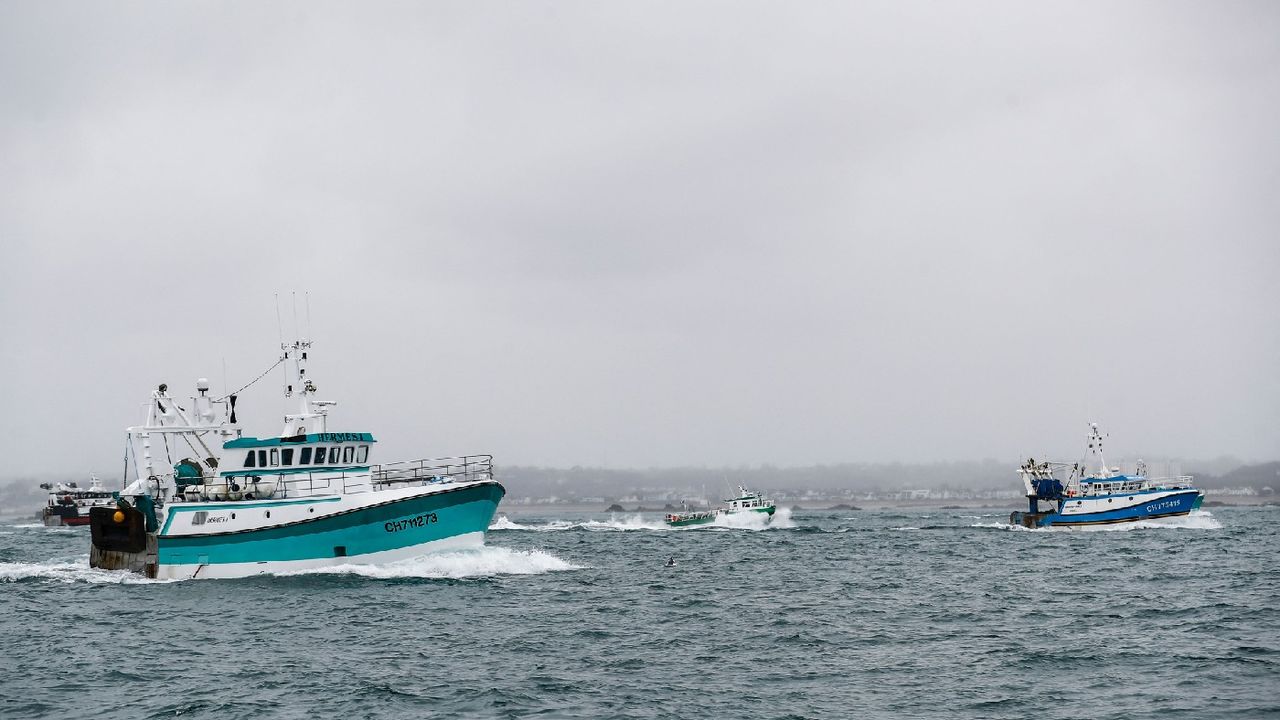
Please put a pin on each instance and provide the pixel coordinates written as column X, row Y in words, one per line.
column 867, row 614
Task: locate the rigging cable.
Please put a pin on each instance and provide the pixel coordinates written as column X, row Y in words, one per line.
column 282, row 358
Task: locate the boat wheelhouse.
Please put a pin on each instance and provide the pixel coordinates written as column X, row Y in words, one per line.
column 747, row 501
column 1068, row 495
column 207, row 501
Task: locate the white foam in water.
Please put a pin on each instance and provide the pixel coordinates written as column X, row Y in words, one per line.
column 1009, row 527
column 504, row 523
column 781, row 519
column 627, row 522
column 1197, row 520
column 480, row 562
column 455, row 565
column 71, row 571
column 28, row 526
column 737, row 521
column 742, row 521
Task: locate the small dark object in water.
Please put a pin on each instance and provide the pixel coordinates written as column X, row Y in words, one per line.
column 671, row 562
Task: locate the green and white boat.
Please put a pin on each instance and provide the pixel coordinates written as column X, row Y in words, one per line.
column 745, row 502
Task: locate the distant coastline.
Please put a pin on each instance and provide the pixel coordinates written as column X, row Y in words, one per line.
column 862, row 506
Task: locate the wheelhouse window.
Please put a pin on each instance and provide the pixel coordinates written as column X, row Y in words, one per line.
column 250, row 460
column 319, row 456
column 362, row 454
column 275, row 457
column 333, row 456
column 305, row 457
column 262, row 458
column 286, row 456
column 347, row 453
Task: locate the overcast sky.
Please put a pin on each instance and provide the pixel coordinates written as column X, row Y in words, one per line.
column 657, row 233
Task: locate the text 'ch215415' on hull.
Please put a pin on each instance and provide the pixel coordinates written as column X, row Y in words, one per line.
column 1071, row 495
column 307, row 499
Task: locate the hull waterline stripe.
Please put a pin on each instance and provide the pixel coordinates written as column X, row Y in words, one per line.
column 402, row 525
column 325, row 517
column 1123, row 520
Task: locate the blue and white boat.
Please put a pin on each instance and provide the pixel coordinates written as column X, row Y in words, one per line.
column 207, row 502
column 1068, row 495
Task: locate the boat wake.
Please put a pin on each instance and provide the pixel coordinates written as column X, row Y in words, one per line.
column 1197, row 520
column 780, row 520
column 454, row 565
column 735, row 521
column 474, row 563
column 615, row 522
column 502, row 522
column 70, row 571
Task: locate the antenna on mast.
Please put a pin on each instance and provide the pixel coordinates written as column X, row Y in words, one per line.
column 284, row 371
column 1095, row 446
column 279, row 325
column 294, row 293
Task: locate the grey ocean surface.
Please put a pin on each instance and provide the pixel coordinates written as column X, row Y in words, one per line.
column 822, row 614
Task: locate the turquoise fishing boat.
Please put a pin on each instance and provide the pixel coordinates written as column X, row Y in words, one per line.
column 205, row 501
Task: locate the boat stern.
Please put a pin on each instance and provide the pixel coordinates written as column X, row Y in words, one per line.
column 120, row 541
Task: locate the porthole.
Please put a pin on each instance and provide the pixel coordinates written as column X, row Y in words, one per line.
column 311, row 509
column 233, row 516
column 268, row 513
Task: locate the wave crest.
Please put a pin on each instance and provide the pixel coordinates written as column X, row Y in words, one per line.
column 737, row 521
column 1197, row 520
column 70, row 571
column 454, row 565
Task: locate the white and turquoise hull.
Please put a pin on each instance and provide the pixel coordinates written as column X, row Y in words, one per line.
column 237, row 539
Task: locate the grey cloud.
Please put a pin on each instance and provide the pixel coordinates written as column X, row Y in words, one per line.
column 650, row 233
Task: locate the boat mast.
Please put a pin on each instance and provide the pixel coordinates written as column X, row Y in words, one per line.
column 1095, row 445
column 312, row 414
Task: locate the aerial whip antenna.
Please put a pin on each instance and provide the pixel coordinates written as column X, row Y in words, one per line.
column 284, row 371
column 279, row 325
